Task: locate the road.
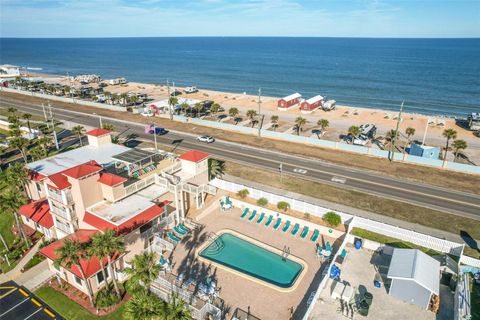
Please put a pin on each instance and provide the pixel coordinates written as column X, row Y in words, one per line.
column 450, row 201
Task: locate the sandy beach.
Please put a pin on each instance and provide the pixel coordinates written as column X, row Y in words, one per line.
column 340, row 119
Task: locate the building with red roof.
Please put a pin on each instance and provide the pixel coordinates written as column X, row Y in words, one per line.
column 38, row 217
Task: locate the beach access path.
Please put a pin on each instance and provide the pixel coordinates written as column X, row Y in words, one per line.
column 414, row 192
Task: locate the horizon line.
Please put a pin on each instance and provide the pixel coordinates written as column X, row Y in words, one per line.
column 180, row 36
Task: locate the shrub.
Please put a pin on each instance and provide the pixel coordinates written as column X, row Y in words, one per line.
column 106, row 298
column 243, row 193
column 36, row 259
column 332, row 219
column 284, row 206
column 262, row 202
column 306, row 216
column 46, row 243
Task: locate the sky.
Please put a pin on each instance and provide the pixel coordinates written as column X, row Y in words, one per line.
column 317, row 18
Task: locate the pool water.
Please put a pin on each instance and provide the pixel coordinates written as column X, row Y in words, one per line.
column 246, row 257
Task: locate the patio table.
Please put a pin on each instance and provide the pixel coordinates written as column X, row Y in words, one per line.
column 347, row 294
column 337, row 290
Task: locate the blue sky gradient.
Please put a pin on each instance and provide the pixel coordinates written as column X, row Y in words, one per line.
column 318, row 18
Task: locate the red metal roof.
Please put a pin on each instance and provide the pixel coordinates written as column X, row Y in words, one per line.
column 133, row 223
column 82, row 170
column 98, row 132
column 194, row 156
column 90, row 266
column 59, row 181
column 111, row 179
column 39, row 212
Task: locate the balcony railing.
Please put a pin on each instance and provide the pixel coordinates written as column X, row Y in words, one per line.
column 62, row 213
column 134, row 187
column 57, row 196
column 173, row 168
column 64, row 196
column 62, row 227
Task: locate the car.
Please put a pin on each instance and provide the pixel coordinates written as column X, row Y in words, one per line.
column 147, row 114
column 477, row 133
column 207, row 139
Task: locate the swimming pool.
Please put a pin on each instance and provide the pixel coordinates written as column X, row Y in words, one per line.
column 255, row 261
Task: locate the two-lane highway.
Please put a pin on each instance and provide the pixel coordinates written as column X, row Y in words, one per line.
column 450, row 201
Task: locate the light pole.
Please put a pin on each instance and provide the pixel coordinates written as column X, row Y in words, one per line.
column 100, row 119
column 155, row 136
column 53, row 127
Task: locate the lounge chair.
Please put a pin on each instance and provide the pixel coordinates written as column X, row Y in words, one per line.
column 173, row 237
column 286, row 226
column 180, row 232
column 261, row 218
column 315, row 235
column 254, row 213
column 182, row 227
column 269, row 221
column 295, row 229
column 278, row 223
column 304, row 232
column 328, row 247
column 245, row 212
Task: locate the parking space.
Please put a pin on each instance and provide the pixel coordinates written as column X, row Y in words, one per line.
column 17, row 303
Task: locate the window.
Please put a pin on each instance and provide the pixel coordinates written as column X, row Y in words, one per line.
column 39, row 187
column 78, row 281
column 100, row 278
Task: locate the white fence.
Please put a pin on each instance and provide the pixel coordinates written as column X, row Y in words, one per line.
column 469, row 261
column 297, row 205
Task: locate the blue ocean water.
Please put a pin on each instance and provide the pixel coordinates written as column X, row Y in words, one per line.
column 433, row 76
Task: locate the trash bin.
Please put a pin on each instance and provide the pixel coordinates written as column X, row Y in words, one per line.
column 358, row 243
column 368, row 298
column 363, row 308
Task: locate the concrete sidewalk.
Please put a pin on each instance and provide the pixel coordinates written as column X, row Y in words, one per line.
column 33, row 278
column 16, row 272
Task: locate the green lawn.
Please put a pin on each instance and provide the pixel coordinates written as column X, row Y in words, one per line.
column 71, row 310
column 36, row 259
column 393, row 242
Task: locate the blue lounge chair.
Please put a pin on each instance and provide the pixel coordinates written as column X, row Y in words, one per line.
column 315, row 235
column 343, row 254
column 182, row 227
column 173, row 237
column 261, row 218
column 245, row 212
column 304, row 232
column 295, row 229
column 328, row 247
column 269, row 221
column 286, row 226
column 278, row 223
column 180, row 232
column 254, row 213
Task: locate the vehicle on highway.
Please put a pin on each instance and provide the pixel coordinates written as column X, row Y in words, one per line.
column 207, row 139
column 151, row 129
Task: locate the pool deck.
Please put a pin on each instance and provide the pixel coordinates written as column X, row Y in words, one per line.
column 238, row 291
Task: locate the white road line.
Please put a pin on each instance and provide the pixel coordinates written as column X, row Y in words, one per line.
column 27, row 298
column 41, row 308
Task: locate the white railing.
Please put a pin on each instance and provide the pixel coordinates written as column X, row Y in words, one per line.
column 470, row 261
column 173, row 168
column 66, row 229
column 62, row 213
column 134, row 187
column 190, row 188
column 55, row 196
column 208, row 189
column 462, row 302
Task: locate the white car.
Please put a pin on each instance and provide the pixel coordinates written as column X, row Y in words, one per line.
column 147, row 114
column 206, row 139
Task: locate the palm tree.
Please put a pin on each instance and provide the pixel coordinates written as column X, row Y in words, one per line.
column 10, row 201
column 36, row 153
column 184, row 107
column 45, row 143
column 354, row 131
column 449, row 134
column 12, row 110
column 21, row 144
column 124, row 98
column 409, row 132
column 299, row 123
column 134, row 100
column 112, row 245
column 216, row 168
column 457, row 146
column 172, row 101
column 215, row 108
column 177, row 309
column 391, row 136
column 144, row 306
column 274, row 120
column 323, row 123
column 17, row 177
column 233, row 112
column 97, row 249
column 78, row 130
column 144, row 270
column 71, row 253
column 251, row 114
column 198, row 108
column 28, row 116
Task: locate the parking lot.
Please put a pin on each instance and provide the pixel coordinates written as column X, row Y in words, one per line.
column 17, row 303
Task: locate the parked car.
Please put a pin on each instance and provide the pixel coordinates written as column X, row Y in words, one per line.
column 191, row 89
column 207, row 139
column 147, row 113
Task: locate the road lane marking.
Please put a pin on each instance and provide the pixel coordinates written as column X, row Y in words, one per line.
column 36, row 302
column 1, row 315
column 12, row 289
column 23, row 292
column 33, row 314
column 50, row 313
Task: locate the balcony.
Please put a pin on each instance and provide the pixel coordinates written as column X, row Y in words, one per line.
column 62, row 212
column 134, row 187
column 64, row 196
column 63, row 227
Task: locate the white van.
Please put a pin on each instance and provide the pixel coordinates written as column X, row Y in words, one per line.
column 191, row 89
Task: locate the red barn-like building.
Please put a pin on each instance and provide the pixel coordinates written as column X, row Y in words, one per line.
column 311, row 104
column 289, row 101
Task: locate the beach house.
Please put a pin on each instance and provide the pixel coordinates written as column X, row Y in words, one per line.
column 310, row 105
column 140, row 194
column 289, row 101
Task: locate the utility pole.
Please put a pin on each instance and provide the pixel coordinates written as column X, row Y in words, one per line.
column 259, row 102
column 155, row 136
column 53, row 127
column 425, row 134
column 169, row 105
column 45, row 115
column 396, row 131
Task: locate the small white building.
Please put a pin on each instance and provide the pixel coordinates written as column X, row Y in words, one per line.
column 8, row 70
column 116, row 81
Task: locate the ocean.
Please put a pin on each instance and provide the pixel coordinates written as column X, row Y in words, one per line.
column 433, row 76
